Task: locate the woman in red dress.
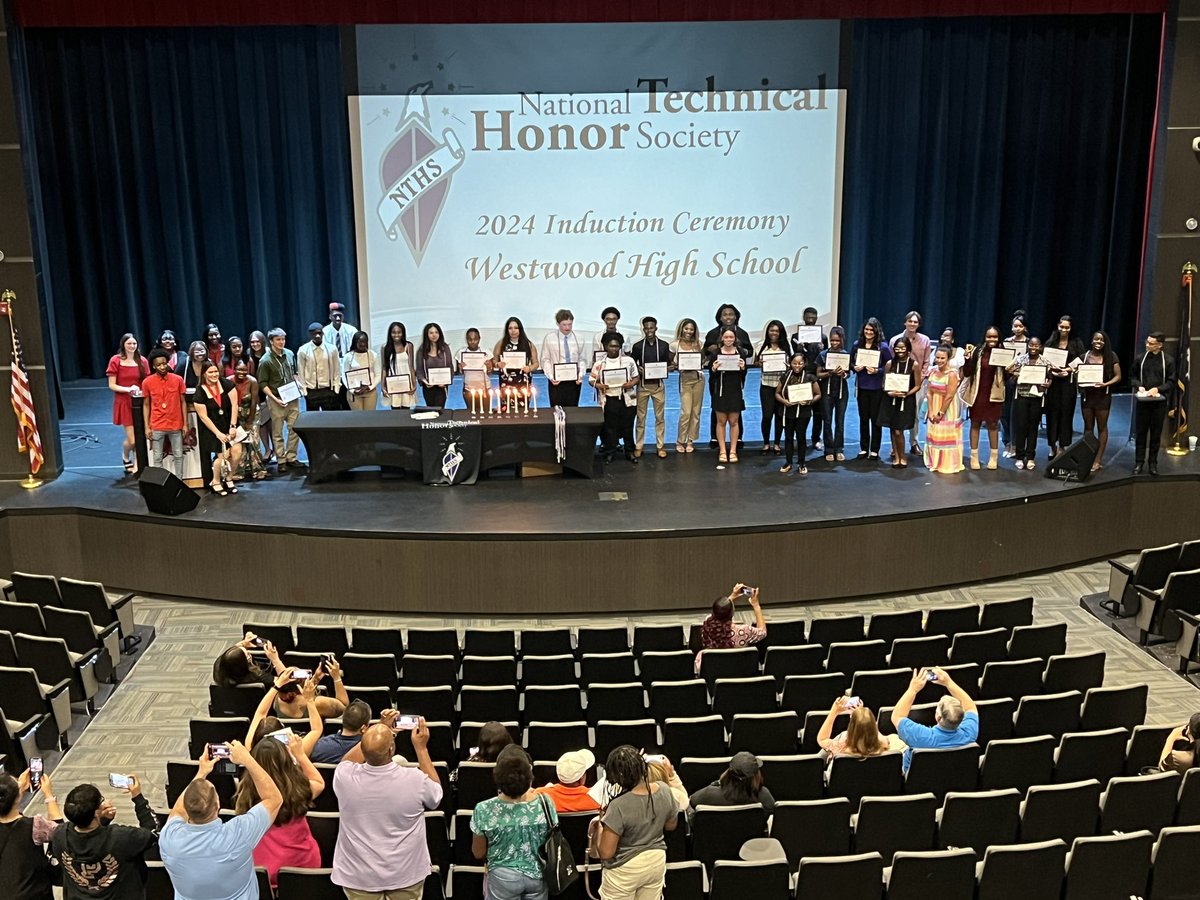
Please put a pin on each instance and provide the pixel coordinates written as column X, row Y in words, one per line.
column 126, row 371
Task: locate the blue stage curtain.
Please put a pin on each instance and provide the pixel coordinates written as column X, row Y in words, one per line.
column 995, row 165
column 189, row 176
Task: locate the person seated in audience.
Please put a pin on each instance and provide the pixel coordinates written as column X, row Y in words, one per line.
column 263, row 724
column 381, row 844
column 493, row 737
column 1179, row 752
column 291, row 703
column 237, row 666
column 509, row 829
column 957, row 717
column 330, row 748
column 861, row 737
column 741, row 783
column 659, row 768
column 719, row 632
column 205, row 856
column 289, row 841
column 99, row 858
column 25, row 870
column 570, row 792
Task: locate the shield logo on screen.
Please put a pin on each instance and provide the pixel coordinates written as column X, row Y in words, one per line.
column 415, row 172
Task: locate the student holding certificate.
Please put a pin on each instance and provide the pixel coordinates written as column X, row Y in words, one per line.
column 833, row 373
column 772, row 359
column 564, row 360
column 1015, row 341
column 921, row 351
column 796, row 393
column 983, row 394
column 803, row 342
column 615, row 377
column 1062, row 348
column 688, row 359
column 728, row 316
column 726, row 383
column 360, row 373
column 1032, row 382
column 475, row 364
column 435, row 366
column 943, row 420
column 514, row 356
column 1097, row 401
column 398, row 379
column 653, row 357
column 901, row 382
column 869, row 356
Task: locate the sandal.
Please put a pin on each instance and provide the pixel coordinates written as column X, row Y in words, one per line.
column 828, row 457
column 230, row 487
column 691, row 448
column 260, row 475
column 1096, row 467
column 128, row 464
column 841, row 457
column 679, row 448
column 766, row 450
column 722, row 458
column 785, row 469
column 733, row 457
column 218, row 490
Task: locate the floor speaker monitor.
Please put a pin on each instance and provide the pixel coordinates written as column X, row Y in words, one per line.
column 1075, row 463
column 165, row 493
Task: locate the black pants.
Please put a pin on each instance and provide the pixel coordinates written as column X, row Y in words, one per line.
column 795, row 431
column 1148, row 418
column 565, row 393
column 343, row 398
column 772, row 411
column 870, row 433
column 1006, row 411
column 322, row 398
column 817, row 411
column 833, row 414
column 434, row 394
column 1060, row 413
column 618, row 425
column 1026, row 414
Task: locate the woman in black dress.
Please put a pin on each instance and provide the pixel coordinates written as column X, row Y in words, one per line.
column 216, row 405
column 898, row 410
column 728, row 402
column 193, row 366
column 1060, row 399
column 515, row 341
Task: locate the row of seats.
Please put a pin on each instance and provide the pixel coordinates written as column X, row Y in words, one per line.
column 1162, row 590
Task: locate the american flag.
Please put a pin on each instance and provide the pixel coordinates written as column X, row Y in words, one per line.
column 28, row 439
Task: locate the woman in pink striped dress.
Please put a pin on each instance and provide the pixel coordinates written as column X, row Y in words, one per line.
column 944, row 440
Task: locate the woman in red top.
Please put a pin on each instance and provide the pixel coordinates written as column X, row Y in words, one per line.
column 125, row 372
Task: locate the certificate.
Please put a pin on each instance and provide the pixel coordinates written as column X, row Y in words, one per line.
column 1015, row 346
column 513, row 359
column 356, row 378
column 1056, row 357
column 398, row 384
column 598, row 355
column 656, row 371
column 1090, row 374
column 566, row 371
column 474, row 360
column 1002, row 356
column 729, row 362
column 688, row 360
column 773, row 362
column 1031, row 374
column 289, row 391
column 810, row 334
column 800, row 393
column 837, row 361
column 616, row 375
column 440, row 375
column 896, row 381
column 868, row 359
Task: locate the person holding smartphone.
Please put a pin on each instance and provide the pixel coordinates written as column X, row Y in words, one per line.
column 1179, row 752
column 720, row 632
column 262, row 723
column 25, row 870
column 861, row 737
column 957, row 717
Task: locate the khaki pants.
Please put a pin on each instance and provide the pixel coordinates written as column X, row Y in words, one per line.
column 412, row 892
column 288, row 413
column 642, row 878
column 657, row 393
column 365, row 401
column 691, row 400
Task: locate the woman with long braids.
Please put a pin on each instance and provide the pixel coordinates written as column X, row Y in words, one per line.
column 627, row 837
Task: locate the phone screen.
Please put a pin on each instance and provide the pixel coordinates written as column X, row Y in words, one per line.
column 853, row 702
column 301, row 674
column 931, row 675
column 218, row 751
column 406, row 723
column 36, row 767
column 120, row 781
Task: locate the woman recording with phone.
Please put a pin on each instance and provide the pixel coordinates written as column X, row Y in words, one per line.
column 720, row 632
column 861, row 737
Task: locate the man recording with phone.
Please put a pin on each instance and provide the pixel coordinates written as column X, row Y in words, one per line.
column 957, row 717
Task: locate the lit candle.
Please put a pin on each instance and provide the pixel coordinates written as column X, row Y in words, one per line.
column 533, row 396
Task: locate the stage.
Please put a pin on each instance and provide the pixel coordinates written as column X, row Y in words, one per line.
column 663, row 534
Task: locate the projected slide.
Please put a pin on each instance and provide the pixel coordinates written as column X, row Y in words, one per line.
column 476, row 207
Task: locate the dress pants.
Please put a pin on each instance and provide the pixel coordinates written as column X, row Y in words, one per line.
column 772, row 413
column 795, row 432
column 1026, row 414
column 618, row 425
column 565, row 393
column 817, row 411
column 870, row 434
column 1060, row 413
column 365, row 401
column 288, row 413
column 1148, row 419
column 434, row 394
column 691, row 401
column 656, row 391
column 321, row 398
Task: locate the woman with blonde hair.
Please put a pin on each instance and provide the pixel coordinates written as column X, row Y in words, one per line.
column 861, row 737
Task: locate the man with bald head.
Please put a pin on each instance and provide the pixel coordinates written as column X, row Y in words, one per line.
column 206, row 858
column 381, row 852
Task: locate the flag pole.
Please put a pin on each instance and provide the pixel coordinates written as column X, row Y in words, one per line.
column 7, row 300
column 1179, row 410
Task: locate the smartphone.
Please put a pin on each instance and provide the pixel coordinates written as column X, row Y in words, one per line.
column 406, row 723
column 218, row 751
column 36, row 767
column 258, row 642
column 120, row 781
column 931, row 675
column 747, row 591
column 853, row 702
column 655, row 758
column 283, row 735
column 301, row 674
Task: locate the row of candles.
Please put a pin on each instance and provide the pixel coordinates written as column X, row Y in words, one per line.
column 503, row 401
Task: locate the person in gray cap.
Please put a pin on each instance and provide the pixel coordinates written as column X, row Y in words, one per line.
column 741, row 783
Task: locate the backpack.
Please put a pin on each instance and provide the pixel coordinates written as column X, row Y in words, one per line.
column 558, row 862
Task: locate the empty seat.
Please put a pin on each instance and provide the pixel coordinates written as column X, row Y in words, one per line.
column 602, row 639
column 933, row 873
column 794, row 776
column 1156, row 614
column 738, row 879
column 553, row 704
column 91, row 597
column 550, row 740
column 1090, row 754
column 718, row 832
column 53, row 662
column 1132, row 803
column 786, row 633
column 803, row 659
column 85, row 639
column 1173, row 863
column 241, row 700
column 1188, row 810
column 436, row 704
column 489, row 642
column 1030, row 871
column 432, row 641
column 640, row 733
column 489, row 670
column 1018, row 763
column 965, row 675
column 678, row 699
column 885, row 825
column 322, row 639
column 657, row 639
column 887, row 627
column 950, row 620
column 421, row 670
column 812, row 828
column 980, row 647
column 919, row 652
column 607, row 668
column 660, row 665
column 855, row 656
column 938, row 772
column 615, row 701
column 311, row 884
column 1114, row 707
column 1150, row 569
column 805, row 693
column 373, row 669
column 773, row 733
column 1019, row 678
column 743, row 695
column 371, row 639
column 995, row 720
column 202, row 732
column 1038, row 641
column 697, row 772
column 40, row 590
column 836, row 630
column 1053, row 714
column 701, row 736
column 979, row 819
column 857, row 777
column 1073, row 672
column 822, row 877
column 22, row 618
column 881, row 687
column 1065, row 811
column 740, row 662
column 1006, row 614
column 483, row 703
column 1110, row 867
column 25, row 699
column 547, row 642
column 547, row 671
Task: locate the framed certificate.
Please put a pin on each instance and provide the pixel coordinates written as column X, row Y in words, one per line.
column 614, row 375
column 729, row 362
column 810, row 334
column 566, row 371
column 398, row 384
column 837, row 361
column 688, row 360
column 1032, row 374
column 598, row 355
column 800, row 393
column 1002, row 356
column 356, row 378
column 867, row 358
column 1090, row 374
column 773, row 362
column 289, row 391
column 896, row 381
column 440, row 375
column 513, row 359
column 474, row 360
column 656, row 371
column 1056, row 358
column 1016, row 346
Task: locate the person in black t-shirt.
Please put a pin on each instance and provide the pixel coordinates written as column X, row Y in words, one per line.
column 26, row 873
column 100, row 860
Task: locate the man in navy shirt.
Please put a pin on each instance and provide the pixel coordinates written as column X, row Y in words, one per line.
column 332, row 747
column 957, row 717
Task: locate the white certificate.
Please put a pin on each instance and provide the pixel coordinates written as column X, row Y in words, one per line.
column 566, row 371
column 1002, row 356
column 598, row 355
column 800, row 393
column 1018, row 346
column 617, row 375
column 729, row 362
column 289, row 391
column 867, row 358
column 398, row 384
column 809, row 334
column 837, row 361
column 440, row 375
column 474, row 360
column 896, row 381
column 656, row 371
column 1056, row 357
column 773, row 362
column 356, row 378
column 688, row 360
column 1031, row 374
column 1090, row 374
column 513, row 359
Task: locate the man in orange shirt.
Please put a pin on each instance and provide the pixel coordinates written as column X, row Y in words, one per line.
column 164, row 409
column 571, row 793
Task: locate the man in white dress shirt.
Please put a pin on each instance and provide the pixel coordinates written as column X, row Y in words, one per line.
column 339, row 334
column 320, row 371
column 560, row 347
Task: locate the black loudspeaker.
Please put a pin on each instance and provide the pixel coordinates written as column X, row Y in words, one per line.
column 165, row 493
column 1075, row 463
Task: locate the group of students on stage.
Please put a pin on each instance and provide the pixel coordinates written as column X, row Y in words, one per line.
column 1002, row 384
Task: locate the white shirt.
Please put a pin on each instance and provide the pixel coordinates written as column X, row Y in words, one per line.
column 552, row 352
column 368, row 361
column 346, row 335
column 318, row 367
column 614, row 389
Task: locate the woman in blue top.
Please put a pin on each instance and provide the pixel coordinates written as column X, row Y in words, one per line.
column 509, row 829
column 868, row 382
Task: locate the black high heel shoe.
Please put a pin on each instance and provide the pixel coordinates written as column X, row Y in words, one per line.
column 230, row 487
column 217, row 489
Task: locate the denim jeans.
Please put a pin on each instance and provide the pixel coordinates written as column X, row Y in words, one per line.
column 509, row 884
column 156, row 449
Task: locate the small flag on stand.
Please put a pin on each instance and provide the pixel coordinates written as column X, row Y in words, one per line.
column 28, row 439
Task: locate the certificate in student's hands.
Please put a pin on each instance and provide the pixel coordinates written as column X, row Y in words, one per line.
column 356, row 378
column 1031, row 375
column 867, row 358
column 614, row 375
column 1015, row 346
column 440, row 375
column 773, row 362
column 801, row 392
column 566, row 371
column 474, row 360
column 1002, row 356
column 289, row 391
column 896, row 381
column 513, row 359
column 688, row 360
column 1056, row 357
column 1090, row 374
column 837, row 361
column 729, row 362
column 398, row 384
column 656, row 371
column 810, row 334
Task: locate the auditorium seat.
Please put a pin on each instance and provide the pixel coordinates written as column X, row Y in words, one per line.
column 436, row 704
column 1038, row 641
column 981, row 647
column 547, row 671
column 483, row 703
column 885, row 825
column 26, row 700
column 1053, row 714
column 718, row 832
column 441, row 742
column 819, row 827
column 743, row 695
column 823, row 877
column 1019, row 678
column 836, row 630
column 1156, row 612
column 1064, row 811
column 698, row 736
column 740, row 662
column 1132, row 803
column 1112, row 865
column 202, row 732
column 550, row 740
column 372, row 640
column 887, row 627
column 22, row 618
column 489, row 670
column 307, row 884
column 700, row 771
column 805, row 693
column 489, row 642
column 739, row 879
column 657, row 639
column 1090, row 754
column 322, row 639
column 951, row 620
column 919, row 652
column 91, row 597
column 856, row 656
column 1006, row 614
column 857, row 777
column 939, row 771
column 378, row 698
column 813, row 723
column 84, row 638
column 1018, row 763
column 468, row 734
column 374, row 669
column 1030, row 871
column 1173, row 863
column 995, row 720
column 666, row 665
column 679, row 699
column 552, row 704
column 547, row 642
column 880, row 687
column 786, row 633
column 610, row 734
column 934, row 873
column 798, row 659
column 1145, row 747
column 1114, row 707
column 602, row 639
column 773, row 733
column 432, row 642
column 280, row 635
column 1073, row 672
column 423, row 671
column 54, row 662
column 979, row 819
column 793, row 776
column 1150, row 569
column 607, row 668
column 615, row 701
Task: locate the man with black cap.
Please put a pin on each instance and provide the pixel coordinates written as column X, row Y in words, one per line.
column 741, row 783
column 320, row 371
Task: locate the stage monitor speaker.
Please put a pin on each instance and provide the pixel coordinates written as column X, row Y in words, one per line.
column 165, row 493
column 1075, row 463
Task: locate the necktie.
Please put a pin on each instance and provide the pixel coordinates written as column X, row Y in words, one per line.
column 338, row 339
column 566, row 349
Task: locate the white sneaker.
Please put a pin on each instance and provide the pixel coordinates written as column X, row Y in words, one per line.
column 1020, row 463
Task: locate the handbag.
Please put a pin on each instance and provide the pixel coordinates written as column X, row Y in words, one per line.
column 558, row 862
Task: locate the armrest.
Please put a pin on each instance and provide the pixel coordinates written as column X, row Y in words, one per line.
column 9, row 590
column 1148, row 592
column 1118, row 579
column 1188, row 618
column 121, row 601
column 103, row 631
column 53, row 691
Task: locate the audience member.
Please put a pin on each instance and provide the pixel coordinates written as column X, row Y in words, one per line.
column 331, row 748
column 861, row 737
column 263, row 724
column 1179, row 751
column 237, row 666
column 719, row 632
column 208, row 858
column 292, row 704
column 956, row 717
column 570, row 792
column 659, row 768
column 509, row 829
column 24, row 866
column 381, row 847
column 740, row 784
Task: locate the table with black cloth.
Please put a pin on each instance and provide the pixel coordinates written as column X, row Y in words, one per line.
column 338, row 441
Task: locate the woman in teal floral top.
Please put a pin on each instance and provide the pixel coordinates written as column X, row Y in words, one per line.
column 510, row 828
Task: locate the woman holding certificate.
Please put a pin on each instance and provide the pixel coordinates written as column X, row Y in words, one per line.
column 360, row 372
column 983, row 391
column 1096, row 377
column 833, row 371
column 435, row 366
column 772, row 359
column 1032, row 382
column 729, row 373
column 943, row 432
column 515, row 358
column 797, row 391
column 1061, row 349
column 398, row 379
column 1015, row 342
column 869, row 356
column 476, row 366
column 898, row 413
column 688, row 355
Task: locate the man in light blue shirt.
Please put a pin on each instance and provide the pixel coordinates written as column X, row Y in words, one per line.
column 206, row 858
column 957, row 716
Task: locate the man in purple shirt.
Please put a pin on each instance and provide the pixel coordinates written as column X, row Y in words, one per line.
column 381, row 852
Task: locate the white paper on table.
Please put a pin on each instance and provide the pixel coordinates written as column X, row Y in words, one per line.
column 729, row 362
column 868, row 359
column 356, row 378
column 513, row 360
column 801, row 392
column 1056, row 357
column 810, row 334
column 773, row 362
column 896, row 381
column 837, row 361
column 688, row 360
column 1031, row 374
column 1002, row 356
column 1090, row 374
column 656, row 371
column 474, row 360
column 398, row 384
column 566, row 371
column 289, row 391
column 440, row 375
